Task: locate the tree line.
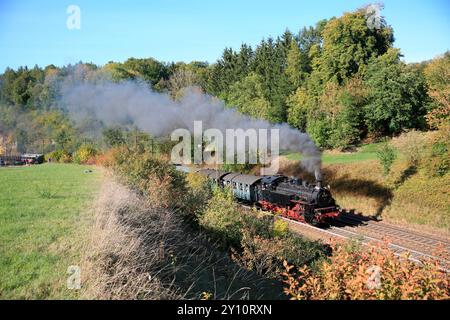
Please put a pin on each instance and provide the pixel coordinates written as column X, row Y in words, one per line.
column 341, row 81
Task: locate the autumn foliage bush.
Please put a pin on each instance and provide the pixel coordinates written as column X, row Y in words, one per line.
column 84, row 154
column 146, row 173
column 61, row 156
column 375, row 273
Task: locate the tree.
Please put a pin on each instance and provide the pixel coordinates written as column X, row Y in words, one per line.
column 248, row 97
column 225, row 72
column 296, row 65
column 63, row 137
column 299, row 104
column 348, row 123
column 21, row 137
column 437, row 75
column 20, row 88
column 6, row 89
column 150, row 70
column 2, row 145
column 310, row 41
column 113, row 137
column 396, row 95
column 269, row 63
column 319, row 128
column 348, row 45
column 180, row 80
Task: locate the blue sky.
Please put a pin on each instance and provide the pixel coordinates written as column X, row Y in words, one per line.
column 35, row 32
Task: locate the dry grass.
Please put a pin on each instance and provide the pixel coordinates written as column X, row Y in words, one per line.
column 359, row 186
column 118, row 263
column 139, row 250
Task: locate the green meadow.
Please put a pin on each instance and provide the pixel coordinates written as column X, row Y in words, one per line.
column 43, row 214
column 363, row 153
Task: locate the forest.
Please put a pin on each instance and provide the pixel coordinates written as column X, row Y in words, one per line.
column 341, row 81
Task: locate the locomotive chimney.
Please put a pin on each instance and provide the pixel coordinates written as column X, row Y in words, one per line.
column 318, row 178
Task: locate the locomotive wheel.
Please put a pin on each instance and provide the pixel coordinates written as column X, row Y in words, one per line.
column 309, row 218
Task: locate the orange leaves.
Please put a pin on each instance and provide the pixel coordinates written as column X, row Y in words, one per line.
column 372, row 273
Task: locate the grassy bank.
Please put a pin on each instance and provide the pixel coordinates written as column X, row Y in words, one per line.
column 42, row 209
column 363, row 153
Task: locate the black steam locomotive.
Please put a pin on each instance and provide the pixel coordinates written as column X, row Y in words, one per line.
column 292, row 198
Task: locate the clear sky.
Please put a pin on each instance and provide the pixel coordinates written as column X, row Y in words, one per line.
column 35, row 32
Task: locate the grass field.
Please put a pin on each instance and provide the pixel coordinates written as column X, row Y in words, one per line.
column 42, row 209
column 363, row 153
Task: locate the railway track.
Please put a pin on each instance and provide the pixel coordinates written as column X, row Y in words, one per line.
column 411, row 240
column 432, row 240
column 369, row 232
column 335, row 232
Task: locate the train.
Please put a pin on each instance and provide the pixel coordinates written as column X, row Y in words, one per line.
column 291, row 198
column 17, row 160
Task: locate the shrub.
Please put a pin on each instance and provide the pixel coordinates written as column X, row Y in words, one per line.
column 84, row 153
column 262, row 252
column 411, row 144
column 109, row 158
column 222, row 217
column 62, row 156
column 143, row 172
column 386, row 155
column 375, row 273
column 437, row 162
column 259, row 254
column 66, row 158
column 200, row 191
column 280, row 228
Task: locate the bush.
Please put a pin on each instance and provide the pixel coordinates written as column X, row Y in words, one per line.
column 375, row 273
column 386, row 155
column 411, row 144
column 110, row 157
column 437, row 161
column 65, row 158
column 222, row 217
column 84, row 153
column 200, row 191
column 259, row 254
column 280, row 228
column 62, row 156
column 143, row 172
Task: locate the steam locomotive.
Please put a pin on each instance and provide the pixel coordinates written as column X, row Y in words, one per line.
column 290, row 197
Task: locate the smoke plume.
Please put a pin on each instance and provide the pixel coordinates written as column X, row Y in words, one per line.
column 133, row 103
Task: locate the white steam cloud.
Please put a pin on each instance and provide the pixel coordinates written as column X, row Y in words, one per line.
column 156, row 113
